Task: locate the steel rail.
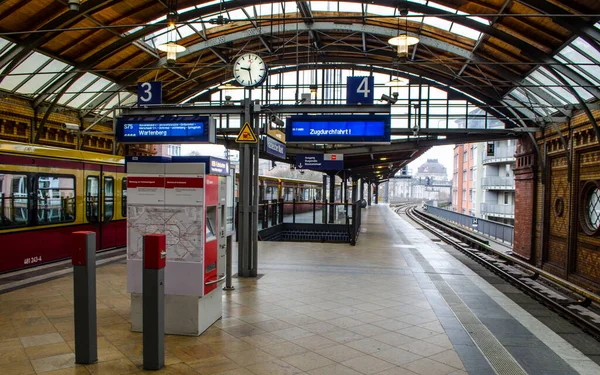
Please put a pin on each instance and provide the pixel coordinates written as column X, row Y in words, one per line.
column 562, row 308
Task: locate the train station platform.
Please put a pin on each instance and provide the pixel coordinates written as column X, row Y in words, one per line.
column 397, row 303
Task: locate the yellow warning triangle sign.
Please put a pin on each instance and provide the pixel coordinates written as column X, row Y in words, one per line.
column 246, row 135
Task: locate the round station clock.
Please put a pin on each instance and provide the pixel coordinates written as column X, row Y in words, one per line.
column 249, row 70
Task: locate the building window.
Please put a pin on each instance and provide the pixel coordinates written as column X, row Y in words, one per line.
column 14, row 201
column 593, row 208
column 91, row 199
column 109, row 198
column 55, row 199
column 464, row 175
column 464, row 194
column 174, row 150
column 456, row 161
column 506, row 197
column 507, row 168
column 474, row 175
column 590, row 204
column 471, row 195
column 465, row 156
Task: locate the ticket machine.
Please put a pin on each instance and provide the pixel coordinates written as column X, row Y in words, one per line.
column 182, row 198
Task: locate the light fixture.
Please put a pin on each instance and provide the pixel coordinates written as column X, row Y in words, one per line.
column 397, row 82
column 229, row 86
column 383, row 158
column 313, row 89
column 402, row 41
column 170, row 47
column 74, row 5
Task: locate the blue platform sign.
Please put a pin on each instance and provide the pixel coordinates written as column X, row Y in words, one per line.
column 360, row 90
column 320, row 162
column 338, row 129
column 274, row 147
column 168, row 129
column 149, row 93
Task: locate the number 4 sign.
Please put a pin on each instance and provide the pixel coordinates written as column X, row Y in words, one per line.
column 149, row 93
column 359, row 90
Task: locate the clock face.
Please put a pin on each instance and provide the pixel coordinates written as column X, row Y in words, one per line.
column 249, row 70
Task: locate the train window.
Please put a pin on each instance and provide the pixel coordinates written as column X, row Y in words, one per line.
column 124, row 197
column 91, row 199
column 14, row 202
column 109, row 198
column 55, row 199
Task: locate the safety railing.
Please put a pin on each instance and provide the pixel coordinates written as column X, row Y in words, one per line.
column 504, row 183
column 275, row 212
column 501, row 232
column 501, row 154
column 505, row 210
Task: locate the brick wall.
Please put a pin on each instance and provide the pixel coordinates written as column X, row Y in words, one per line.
column 525, row 181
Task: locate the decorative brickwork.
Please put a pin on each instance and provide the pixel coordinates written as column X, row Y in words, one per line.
column 17, row 119
column 552, row 230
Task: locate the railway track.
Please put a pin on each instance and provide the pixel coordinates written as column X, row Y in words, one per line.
column 577, row 305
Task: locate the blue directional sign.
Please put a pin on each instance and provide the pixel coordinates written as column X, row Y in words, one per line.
column 274, row 147
column 149, row 93
column 320, row 162
column 360, row 90
column 174, row 129
column 338, row 129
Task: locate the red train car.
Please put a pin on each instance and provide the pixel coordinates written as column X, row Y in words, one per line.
column 46, row 193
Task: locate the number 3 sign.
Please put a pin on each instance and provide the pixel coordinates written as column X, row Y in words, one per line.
column 149, row 93
column 359, row 90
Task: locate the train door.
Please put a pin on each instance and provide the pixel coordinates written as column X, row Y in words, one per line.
column 91, row 190
column 107, row 223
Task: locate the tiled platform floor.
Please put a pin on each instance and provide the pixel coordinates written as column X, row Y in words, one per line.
column 321, row 309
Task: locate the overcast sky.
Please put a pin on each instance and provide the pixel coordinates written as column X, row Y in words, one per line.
column 444, row 154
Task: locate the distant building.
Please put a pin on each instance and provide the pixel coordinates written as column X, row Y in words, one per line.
column 168, row 150
column 429, row 183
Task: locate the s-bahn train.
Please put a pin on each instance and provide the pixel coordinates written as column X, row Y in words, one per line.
column 46, row 193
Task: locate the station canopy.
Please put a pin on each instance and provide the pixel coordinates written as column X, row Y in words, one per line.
column 523, row 62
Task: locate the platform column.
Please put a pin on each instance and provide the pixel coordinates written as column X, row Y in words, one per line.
column 153, row 301
column 248, row 200
column 324, row 198
column 84, row 297
column 354, row 189
column 362, row 188
column 331, row 197
column 369, row 192
column 377, row 193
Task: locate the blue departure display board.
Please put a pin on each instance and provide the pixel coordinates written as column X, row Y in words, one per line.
column 188, row 129
column 338, row 129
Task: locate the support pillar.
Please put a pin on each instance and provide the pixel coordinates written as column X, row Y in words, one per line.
column 377, row 193
column 331, row 197
column 354, row 189
column 369, row 192
column 324, row 199
column 248, row 201
column 362, row 188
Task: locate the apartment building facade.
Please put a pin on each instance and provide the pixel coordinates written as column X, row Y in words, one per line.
column 483, row 180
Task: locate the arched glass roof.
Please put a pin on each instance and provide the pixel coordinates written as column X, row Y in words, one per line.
column 535, row 57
